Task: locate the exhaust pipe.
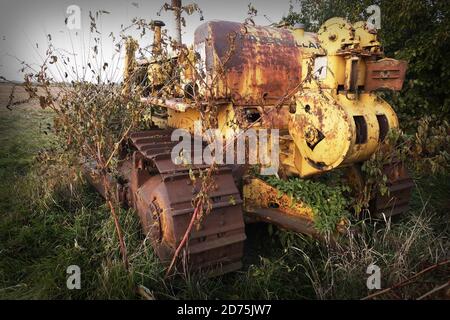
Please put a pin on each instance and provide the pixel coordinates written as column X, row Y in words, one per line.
column 176, row 7
column 157, row 48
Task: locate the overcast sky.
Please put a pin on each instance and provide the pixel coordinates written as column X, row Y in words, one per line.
column 24, row 24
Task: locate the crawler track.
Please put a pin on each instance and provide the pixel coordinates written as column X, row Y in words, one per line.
column 162, row 194
column 397, row 200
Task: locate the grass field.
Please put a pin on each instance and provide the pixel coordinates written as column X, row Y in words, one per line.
column 48, row 222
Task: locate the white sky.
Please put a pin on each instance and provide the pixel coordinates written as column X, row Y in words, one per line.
column 25, row 23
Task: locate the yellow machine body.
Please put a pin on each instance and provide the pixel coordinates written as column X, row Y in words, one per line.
column 314, row 93
column 317, row 89
column 331, row 119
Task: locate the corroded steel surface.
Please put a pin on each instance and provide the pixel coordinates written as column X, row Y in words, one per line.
column 321, row 131
column 260, row 195
column 385, row 74
column 162, row 193
column 285, row 221
column 264, row 203
column 264, row 66
column 276, row 117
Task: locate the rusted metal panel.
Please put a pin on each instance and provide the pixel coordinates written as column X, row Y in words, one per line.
column 285, row 221
column 276, row 117
column 260, row 195
column 265, row 64
column 385, row 74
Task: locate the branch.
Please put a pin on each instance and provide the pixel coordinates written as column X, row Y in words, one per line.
column 145, row 293
column 185, row 238
column 117, row 145
column 434, row 290
column 407, row 281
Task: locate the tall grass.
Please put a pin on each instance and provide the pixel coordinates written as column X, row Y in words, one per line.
column 49, row 220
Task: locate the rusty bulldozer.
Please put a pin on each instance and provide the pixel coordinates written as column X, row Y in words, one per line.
column 316, row 89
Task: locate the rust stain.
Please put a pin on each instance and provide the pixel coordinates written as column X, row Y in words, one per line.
column 276, row 118
column 259, row 194
column 385, row 74
column 319, row 113
column 265, row 64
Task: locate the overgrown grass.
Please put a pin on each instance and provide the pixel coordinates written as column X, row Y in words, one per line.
column 47, row 226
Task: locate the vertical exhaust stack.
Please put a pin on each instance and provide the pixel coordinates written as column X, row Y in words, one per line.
column 131, row 46
column 157, row 47
column 176, row 7
column 299, row 29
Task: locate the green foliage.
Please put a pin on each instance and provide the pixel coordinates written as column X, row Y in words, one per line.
column 329, row 203
column 429, row 148
column 427, row 152
column 90, row 119
column 39, row 239
column 313, row 13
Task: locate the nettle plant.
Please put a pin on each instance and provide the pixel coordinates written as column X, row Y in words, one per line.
column 425, row 151
column 95, row 109
column 93, row 115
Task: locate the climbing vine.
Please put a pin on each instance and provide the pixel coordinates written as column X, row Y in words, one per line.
column 329, row 203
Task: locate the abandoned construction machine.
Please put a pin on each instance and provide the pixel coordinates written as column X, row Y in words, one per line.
column 316, row 89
